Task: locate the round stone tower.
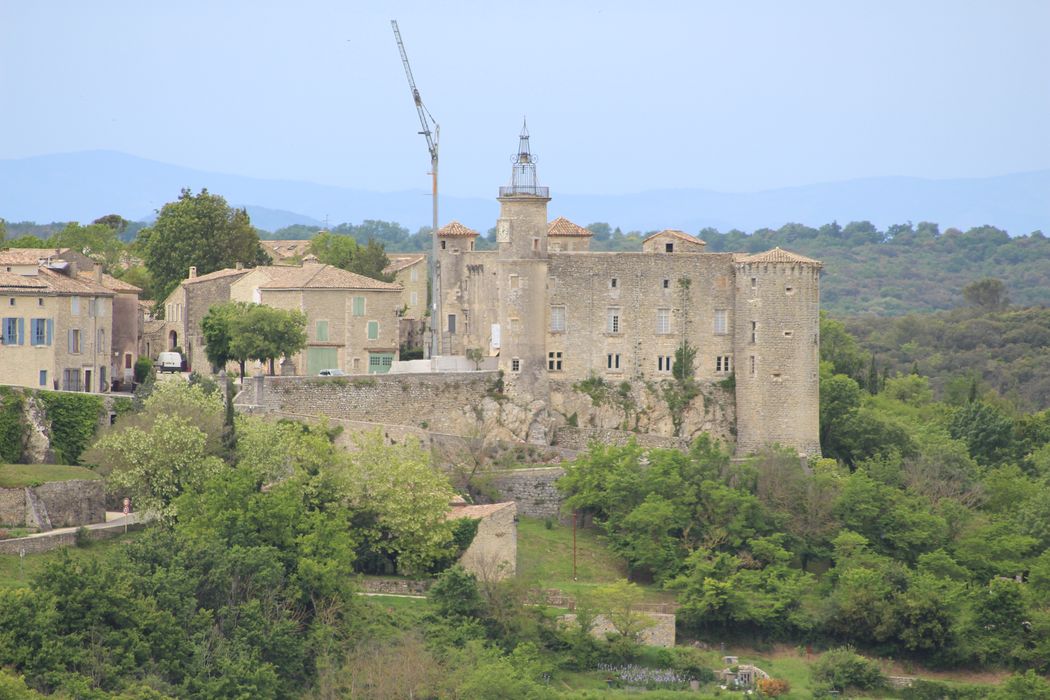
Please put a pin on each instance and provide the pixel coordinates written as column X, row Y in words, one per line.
column 777, row 350
column 521, row 236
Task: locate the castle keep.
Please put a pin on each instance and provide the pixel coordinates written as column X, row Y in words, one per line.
column 552, row 311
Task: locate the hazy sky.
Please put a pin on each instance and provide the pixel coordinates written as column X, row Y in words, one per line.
column 620, row 96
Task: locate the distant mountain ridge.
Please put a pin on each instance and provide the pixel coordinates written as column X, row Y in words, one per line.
column 85, row 185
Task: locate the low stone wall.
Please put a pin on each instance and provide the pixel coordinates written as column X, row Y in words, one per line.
column 660, row 633
column 581, row 438
column 54, row 504
column 53, row 540
column 533, row 490
column 394, row 586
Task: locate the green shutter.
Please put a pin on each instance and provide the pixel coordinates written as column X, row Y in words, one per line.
column 359, row 306
column 373, row 330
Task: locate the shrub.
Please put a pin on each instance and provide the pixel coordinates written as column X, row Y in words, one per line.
column 773, row 687
column 844, row 668
column 12, row 425
column 143, row 368
column 74, row 419
column 935, row 690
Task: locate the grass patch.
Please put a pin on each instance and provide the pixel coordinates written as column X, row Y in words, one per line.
column 12, row 574
column 545, row 559
column 18, row 475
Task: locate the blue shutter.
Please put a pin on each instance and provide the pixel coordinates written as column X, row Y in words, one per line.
column 69, row 339
column 21, row 331
column 50, row 330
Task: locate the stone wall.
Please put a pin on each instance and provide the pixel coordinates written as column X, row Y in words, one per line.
column 394, row 586
column 493, row 555
column 642, row 412
column 36, row 544
column 57, row 504
column 533, row 490
column 660, row 633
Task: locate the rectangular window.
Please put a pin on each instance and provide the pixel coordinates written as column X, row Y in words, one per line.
column 101, row 345
column 668, row 247
column 667, row 284
column 557, row 319
column 614, row 283
column 413, row 298
column 38, row 331
column 74, row 305
column 663, row 321
column 752, row 365
column 515, row 365
column 413, row 275
column 74, row 340
column 754, row 283
column 721, row 321
column 613, row 320
column 359, row 306
column 663, row 363
column 754, row 331
column 554, row 361
column 11, row 301
column 43, row 377
column 373, row 330
column 612, row 360
column 724, row 363
column 71, row 379
column 514, row 281
column 452, row 323
column 321, row 331
column 10, row 331
column 40, row 301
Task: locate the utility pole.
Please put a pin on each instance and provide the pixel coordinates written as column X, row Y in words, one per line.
column 425, row 120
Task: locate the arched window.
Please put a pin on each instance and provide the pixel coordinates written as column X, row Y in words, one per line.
column 173, row 340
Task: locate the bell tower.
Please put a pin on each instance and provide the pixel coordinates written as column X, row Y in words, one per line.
column 521, row 235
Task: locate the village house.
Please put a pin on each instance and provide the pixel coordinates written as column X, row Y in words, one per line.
column 56, row 328
column 352, row 320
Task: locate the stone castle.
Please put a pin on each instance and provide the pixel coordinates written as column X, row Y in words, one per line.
column 553, row 312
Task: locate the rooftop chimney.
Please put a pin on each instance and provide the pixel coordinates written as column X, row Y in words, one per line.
column 71, row 269
column 193, row 271
column 98, row 273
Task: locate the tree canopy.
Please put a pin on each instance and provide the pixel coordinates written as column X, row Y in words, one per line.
column 199, row 230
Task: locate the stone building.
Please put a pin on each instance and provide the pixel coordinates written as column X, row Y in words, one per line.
column 554, row 312
column 55, row 328
column 351, row 320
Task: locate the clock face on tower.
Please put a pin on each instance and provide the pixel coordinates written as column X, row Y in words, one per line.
column 502, row 231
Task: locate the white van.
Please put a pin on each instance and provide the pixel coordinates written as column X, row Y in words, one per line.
column 169, row 362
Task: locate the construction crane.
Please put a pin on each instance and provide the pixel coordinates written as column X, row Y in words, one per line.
column 425, row 120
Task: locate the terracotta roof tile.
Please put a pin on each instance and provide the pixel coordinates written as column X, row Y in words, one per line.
column 563, row 227
column 455, row 229
column 680, row 235
column 28, row 256
column 320, row 277
column 111, row 283
column 778, row 255
column 12, row 280
column 59, row 282
column 218, row 274
column 400, row 262
column 286, row 248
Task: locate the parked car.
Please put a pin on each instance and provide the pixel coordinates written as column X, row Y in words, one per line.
column 169, row 362
column 334, row 372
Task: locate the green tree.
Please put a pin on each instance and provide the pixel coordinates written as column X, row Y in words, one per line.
column 199, row 230
column 345, row 252
column 264, row 333
column 988, row 293
column 217, row 327
column 100, row 242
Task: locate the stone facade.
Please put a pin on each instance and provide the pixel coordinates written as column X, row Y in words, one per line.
column 410, row 271
column 54, row 504
column 185, row 308
column 533, row 490
column 55, row 328
column 561, row 316
column 493, row 555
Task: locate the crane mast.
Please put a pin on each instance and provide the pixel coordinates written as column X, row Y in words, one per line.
column 425, row 119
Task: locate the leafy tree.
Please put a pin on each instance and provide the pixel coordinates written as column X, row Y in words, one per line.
column 199, row 230
column 264, row 333
column 844, row 668
column 344, row 252
column 988, row 293
column 986, row 430
column 217, row 327
column 98, row 241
